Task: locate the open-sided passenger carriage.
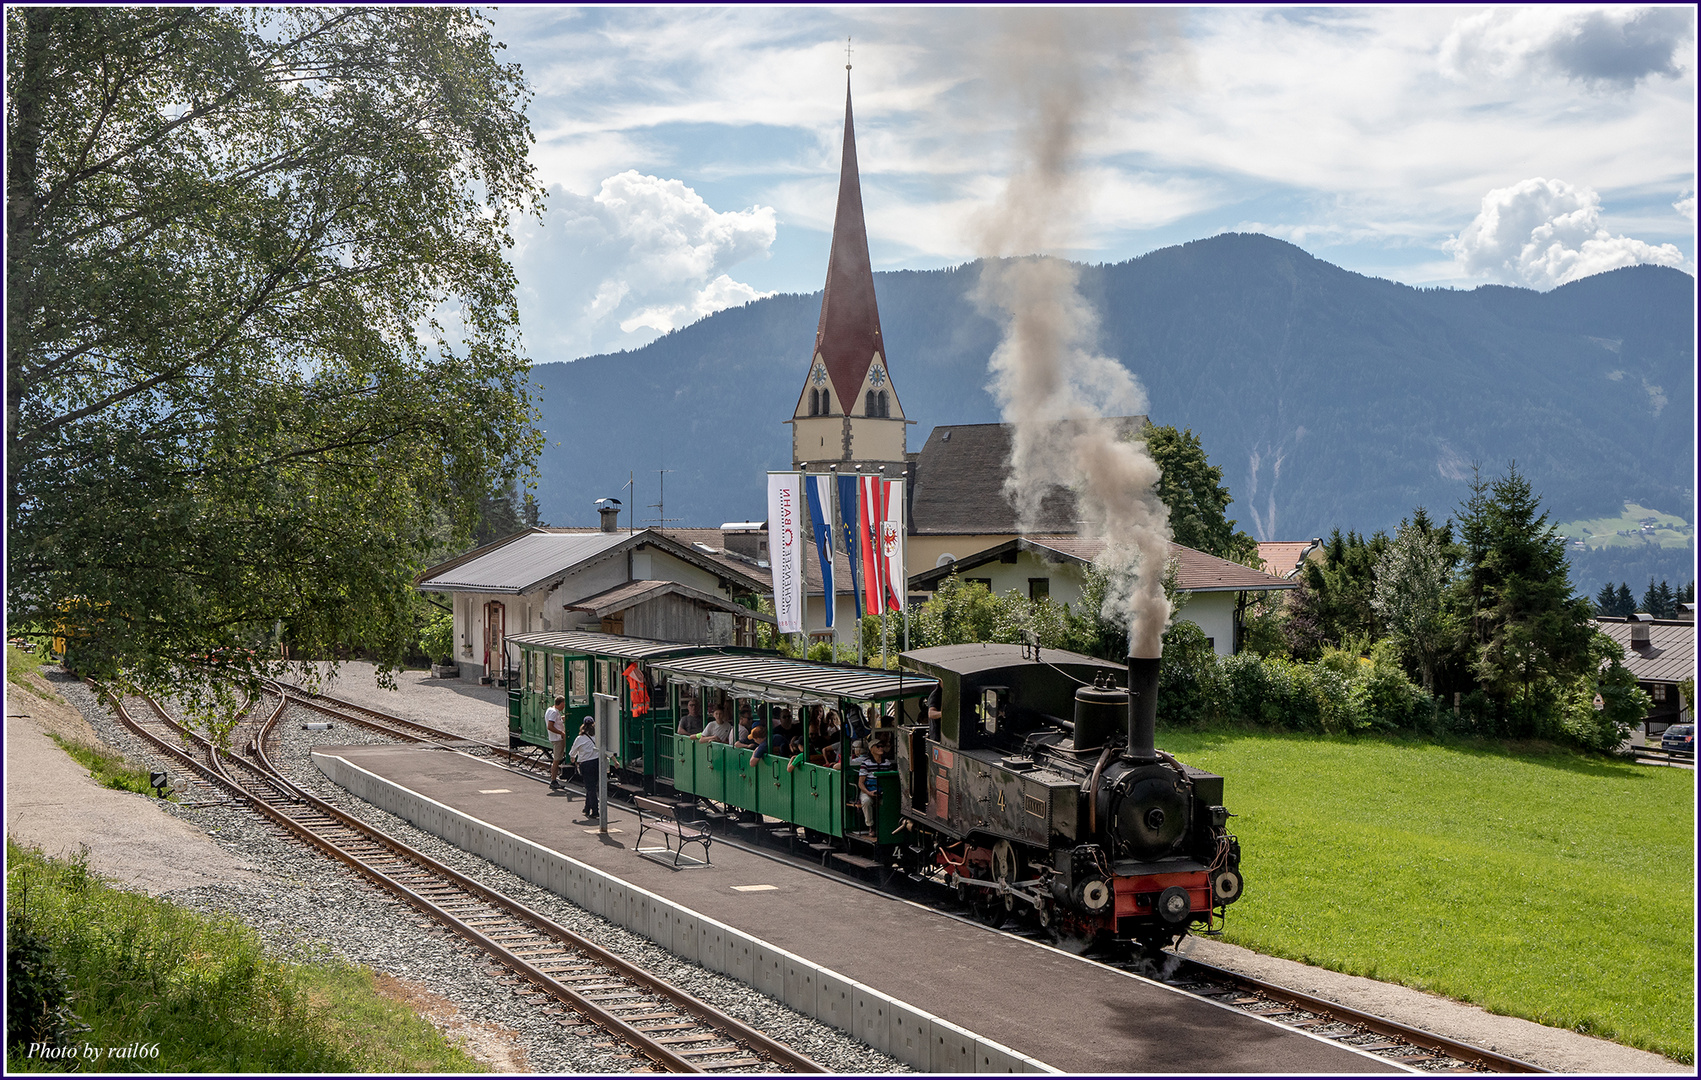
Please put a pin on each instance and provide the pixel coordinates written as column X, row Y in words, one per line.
column 657, row 683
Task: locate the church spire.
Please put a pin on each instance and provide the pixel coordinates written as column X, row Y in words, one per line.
column 848, row 416
column 848, row 335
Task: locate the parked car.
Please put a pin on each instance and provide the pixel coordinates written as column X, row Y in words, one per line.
column 1679, row 739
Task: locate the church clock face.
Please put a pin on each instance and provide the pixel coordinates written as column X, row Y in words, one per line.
column 819, row 375
column 877, row 377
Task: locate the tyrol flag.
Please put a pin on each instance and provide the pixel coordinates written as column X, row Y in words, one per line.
column 880, row 535
column 785, row 549
column 819, row 487
column 849, row 522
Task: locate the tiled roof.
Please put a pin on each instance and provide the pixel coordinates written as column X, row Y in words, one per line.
column 1283, row 557
column 959, row 483
column 1195, row 570
column 1669, row 656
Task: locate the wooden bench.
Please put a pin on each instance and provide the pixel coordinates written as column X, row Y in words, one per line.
column 657, row 816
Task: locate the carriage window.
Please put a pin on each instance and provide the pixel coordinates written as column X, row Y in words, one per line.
column 580, row 693
column 557, row 683
column 602, row 677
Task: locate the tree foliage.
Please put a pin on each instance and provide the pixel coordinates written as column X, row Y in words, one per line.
column 1197, row 498
column 1413, row 577
column 1617, row 602
column 1342, row 586
column 1527, row 633
column 261, row 337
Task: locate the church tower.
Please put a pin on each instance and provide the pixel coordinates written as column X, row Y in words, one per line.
column 848, row 414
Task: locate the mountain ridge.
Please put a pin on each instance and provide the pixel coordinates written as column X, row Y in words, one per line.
column 1328, row 397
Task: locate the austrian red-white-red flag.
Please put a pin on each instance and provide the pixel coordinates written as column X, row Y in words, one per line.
column 871, row 503
column 892, row 546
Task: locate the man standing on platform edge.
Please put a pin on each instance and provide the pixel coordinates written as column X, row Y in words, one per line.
column 556, row 725
column 589, row 759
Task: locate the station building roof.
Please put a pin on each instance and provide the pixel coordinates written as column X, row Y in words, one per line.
column 525, row 561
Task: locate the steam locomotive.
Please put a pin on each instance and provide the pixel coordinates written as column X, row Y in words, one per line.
column 1037, row 787
column 1027, row 781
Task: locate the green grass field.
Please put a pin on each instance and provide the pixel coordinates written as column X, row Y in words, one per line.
column 1535, row 882
column 1670, row 530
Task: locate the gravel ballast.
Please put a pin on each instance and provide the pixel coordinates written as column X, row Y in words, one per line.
column 309, row 907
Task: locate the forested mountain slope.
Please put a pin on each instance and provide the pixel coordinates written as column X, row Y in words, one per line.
column 1328, row 397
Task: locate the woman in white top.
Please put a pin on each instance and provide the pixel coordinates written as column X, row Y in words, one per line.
column 589, row 759
column 555, row 722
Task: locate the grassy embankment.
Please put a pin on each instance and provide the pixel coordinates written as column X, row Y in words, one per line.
column 146, row 973
column 1536, row 882
column 143, row 972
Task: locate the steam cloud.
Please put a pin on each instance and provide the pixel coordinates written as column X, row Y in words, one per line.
column 1053, row 386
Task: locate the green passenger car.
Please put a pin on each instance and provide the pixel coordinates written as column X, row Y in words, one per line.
column 577, row 664
column 816, row 788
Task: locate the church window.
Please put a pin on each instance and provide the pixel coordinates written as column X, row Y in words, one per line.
column 870, row 405
column 814, row 402
column 885, row 404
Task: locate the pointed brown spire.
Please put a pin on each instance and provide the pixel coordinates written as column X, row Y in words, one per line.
column 848, row 335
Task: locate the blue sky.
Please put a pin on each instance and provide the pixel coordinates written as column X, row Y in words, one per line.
column 691, row 153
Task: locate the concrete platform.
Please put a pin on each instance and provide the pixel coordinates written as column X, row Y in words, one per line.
column 939, row 994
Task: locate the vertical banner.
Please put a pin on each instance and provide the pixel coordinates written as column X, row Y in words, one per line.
column 892, row 546
column 785, row 549
column 820, row 489
column 849, row 522
column 870, row 493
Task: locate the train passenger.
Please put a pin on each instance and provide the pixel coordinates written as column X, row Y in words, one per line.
column 783, row 730
column 868, row 784
column 745, row 721
column 589, row 759
column 831, row 734
column 718, row 730
column 754, row 739
column 555, row 723
column 692, row 722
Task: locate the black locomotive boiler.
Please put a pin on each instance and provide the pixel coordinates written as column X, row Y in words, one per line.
column 1039, row 789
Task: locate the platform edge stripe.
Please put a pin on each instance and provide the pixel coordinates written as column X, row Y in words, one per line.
column 630, row 906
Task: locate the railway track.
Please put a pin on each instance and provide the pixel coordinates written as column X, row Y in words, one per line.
column 1402, row 1043
column 675, row 1031
column 1409, row 1046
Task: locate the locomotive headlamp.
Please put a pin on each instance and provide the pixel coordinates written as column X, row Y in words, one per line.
column 1174, row 905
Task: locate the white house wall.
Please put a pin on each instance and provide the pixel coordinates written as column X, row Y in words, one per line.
column 1065, row 578
column 1213, row 612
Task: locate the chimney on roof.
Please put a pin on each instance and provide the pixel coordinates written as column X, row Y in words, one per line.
column 1639, row 624
column 609, row 509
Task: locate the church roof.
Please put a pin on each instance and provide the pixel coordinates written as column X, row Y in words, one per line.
column 848, row 335
column 959, row 483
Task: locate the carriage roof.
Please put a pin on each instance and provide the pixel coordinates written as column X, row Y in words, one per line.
column 781, row 679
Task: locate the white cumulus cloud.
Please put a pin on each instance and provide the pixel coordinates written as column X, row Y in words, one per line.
column 1686, row 206
column 642, row 256
column 1544, row 233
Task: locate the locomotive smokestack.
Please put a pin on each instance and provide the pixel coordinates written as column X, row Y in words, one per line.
column 1142, row 709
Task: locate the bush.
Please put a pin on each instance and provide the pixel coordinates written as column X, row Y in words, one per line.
column 438, row 639
column 38, row 989
column 1191, row 689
